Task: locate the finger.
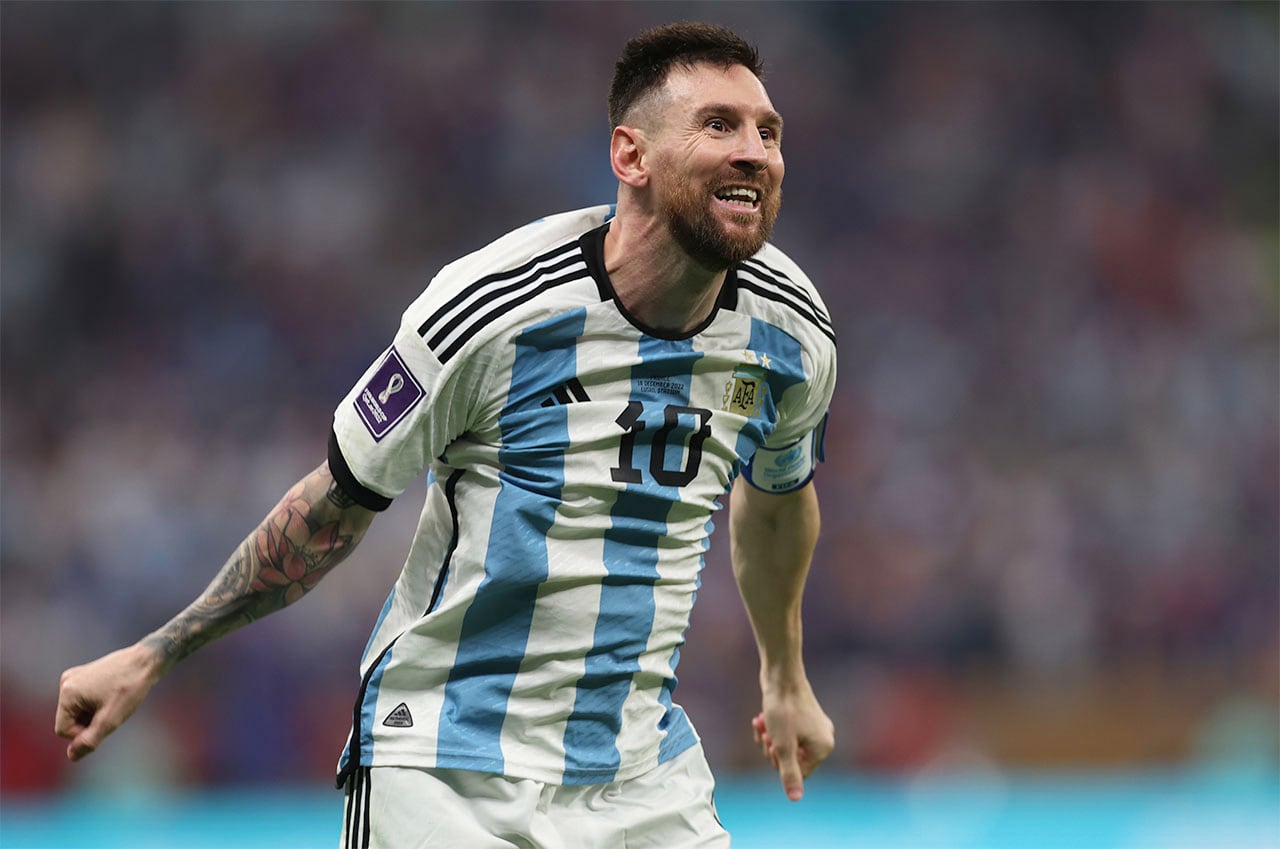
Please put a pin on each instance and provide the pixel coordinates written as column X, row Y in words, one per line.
column 812, row 756
column 807, row 766
column 85, row 743
column 78, row 751
column 789, row 772
column 72, row 716
column 80, row 746
column 71, row 731
column 67, row 723
column 766, row 745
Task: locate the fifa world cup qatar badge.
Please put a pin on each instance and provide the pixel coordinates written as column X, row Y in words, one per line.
column 388, row 396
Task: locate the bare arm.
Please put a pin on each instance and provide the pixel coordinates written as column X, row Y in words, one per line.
column 772, row 538
column 313, row 528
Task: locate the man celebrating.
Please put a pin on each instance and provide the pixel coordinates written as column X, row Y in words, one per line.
column 582, row 391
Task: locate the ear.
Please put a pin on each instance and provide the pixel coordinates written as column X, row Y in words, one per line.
column 626, row 155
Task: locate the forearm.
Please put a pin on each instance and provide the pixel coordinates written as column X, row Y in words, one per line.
column 772, row 538
column 313, row 528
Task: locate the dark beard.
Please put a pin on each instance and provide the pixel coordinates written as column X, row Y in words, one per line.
column 697, row 232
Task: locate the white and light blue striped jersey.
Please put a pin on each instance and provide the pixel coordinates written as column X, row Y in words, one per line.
column 576, row 459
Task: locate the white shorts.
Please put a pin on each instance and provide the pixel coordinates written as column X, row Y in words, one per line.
column 670, row 807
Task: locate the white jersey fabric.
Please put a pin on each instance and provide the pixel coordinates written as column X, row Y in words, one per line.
column 576, row 459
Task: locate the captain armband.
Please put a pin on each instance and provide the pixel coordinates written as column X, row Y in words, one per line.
column 787, row 469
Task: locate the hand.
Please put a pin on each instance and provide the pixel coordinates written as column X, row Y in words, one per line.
column 96, row 699
column 795, row 735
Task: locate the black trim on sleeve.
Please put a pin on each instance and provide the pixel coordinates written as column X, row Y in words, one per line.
column 342, row 475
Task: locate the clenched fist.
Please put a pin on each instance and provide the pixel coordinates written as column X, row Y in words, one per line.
column 96, row 699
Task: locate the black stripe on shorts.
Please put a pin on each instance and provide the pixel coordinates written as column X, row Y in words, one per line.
column 356, row 826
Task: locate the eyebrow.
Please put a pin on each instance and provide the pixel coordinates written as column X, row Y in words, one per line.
column 768, row 117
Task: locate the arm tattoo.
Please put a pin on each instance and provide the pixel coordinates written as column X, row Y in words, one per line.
column 313, row 528
column 339, row 496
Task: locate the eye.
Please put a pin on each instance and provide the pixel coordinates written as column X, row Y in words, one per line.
column 717, row 124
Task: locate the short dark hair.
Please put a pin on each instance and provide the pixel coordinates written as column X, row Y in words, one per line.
column 648, row 58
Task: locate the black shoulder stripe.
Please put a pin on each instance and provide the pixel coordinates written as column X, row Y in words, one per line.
column 776, row 272
column 492, row 294
column 769, row 274
column 343, row 476
column 476, row 324
column 798, row 308
column 497, row 277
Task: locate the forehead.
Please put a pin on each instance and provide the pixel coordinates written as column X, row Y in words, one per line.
column 687, row 89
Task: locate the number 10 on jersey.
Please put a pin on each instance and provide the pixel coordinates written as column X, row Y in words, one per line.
column 632, row 423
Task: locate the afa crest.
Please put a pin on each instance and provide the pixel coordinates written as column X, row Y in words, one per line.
column 744, row 393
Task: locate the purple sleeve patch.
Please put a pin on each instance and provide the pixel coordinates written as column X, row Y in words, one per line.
column 388, row 396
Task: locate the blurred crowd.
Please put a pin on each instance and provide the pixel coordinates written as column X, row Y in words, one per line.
column 1047, row 235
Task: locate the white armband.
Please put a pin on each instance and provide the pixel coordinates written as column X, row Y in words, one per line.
column 787, row 469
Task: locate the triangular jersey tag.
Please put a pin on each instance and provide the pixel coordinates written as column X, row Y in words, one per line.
column 400, row 717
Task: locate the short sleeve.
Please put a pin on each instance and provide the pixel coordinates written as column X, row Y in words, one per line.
column 803, row 405
column 791, row 453
column 404, row 411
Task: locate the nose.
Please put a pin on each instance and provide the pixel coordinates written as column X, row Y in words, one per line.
column 752, row 156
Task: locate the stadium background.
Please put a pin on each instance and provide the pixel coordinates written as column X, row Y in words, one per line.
column 1048, row 238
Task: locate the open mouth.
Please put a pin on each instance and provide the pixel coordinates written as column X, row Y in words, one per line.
column 740, row 197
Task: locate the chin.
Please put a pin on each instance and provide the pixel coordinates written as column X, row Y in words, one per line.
column 716, row 237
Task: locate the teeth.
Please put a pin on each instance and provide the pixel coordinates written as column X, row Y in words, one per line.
column 739, row 195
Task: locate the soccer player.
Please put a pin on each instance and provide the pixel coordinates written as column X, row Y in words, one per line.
column 581, row 392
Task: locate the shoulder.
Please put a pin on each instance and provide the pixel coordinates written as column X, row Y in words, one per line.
column 774, row 288
column 534, row 267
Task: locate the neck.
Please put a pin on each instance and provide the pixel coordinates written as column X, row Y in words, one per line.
column 657, row 282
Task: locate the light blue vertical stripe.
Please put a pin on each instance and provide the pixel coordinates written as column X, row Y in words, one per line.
column 368, row 707
column 369, row 703
column 677, row 731
column 638, row 523
column 377, row 626
column 495, row 628
column 786, row 368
